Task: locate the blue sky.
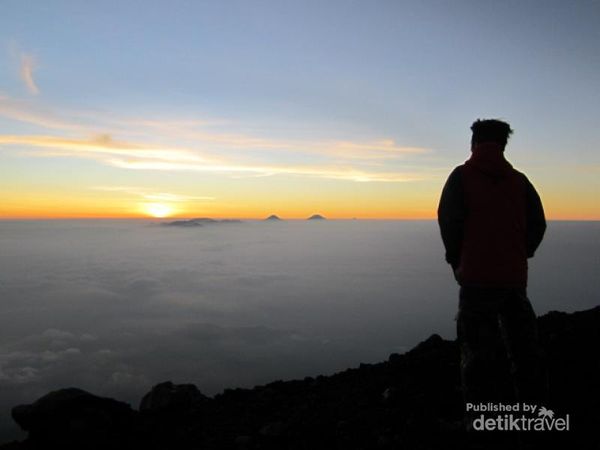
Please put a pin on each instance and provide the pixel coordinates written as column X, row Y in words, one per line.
column 296, row 78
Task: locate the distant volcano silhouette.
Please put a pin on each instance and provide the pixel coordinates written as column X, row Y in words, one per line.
column 273, row 217
column 199, row 222
column 316, row 217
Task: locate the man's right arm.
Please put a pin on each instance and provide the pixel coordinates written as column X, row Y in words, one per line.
column 451, row 217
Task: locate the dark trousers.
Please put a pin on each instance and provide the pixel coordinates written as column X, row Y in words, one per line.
column 500, row 357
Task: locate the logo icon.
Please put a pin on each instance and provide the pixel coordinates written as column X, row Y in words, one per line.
column 545, row 413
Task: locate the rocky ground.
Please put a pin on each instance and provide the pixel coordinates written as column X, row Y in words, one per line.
column 410, row 401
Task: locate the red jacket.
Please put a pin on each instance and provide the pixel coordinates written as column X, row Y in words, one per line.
column 491, row 220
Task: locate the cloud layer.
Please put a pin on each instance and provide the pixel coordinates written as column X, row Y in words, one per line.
column 115, row 307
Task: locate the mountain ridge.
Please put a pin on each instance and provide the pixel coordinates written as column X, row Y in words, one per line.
column 411, row 400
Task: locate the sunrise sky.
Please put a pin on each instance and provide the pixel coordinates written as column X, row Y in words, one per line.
column 249, row 108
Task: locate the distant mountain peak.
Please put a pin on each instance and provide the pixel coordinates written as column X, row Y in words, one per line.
column 273, row 217
column 199, row 222
column 316, row 217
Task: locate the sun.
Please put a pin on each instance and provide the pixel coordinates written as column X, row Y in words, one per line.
column 158, row 210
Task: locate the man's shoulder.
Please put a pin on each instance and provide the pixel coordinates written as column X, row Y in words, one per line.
column 455, row 177
column 520, row 175
column 457, row 171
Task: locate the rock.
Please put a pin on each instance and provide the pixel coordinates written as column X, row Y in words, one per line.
column 395, row 358
column 391, row 395
column 431, row 343
column 168, row 398
column 75, row 418
column 243, row 441
column 172, row 416
column 413, row 400
column 273, row 429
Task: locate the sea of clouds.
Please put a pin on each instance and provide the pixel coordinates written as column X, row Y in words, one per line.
column 115, row 307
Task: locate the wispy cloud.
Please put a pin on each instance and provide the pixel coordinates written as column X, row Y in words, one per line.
column 137, row 157
column 207, row 150
column 319, row 171
column 28, row 66
column 25, row 112
column 150, row 195
column 360, row 150
column 167, row 197
column 102, row 146
column 379, row 149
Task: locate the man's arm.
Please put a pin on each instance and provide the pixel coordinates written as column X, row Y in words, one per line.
column 536, row 221
column 451, row 217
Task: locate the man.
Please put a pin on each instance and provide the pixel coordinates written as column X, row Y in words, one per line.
column 491, row 220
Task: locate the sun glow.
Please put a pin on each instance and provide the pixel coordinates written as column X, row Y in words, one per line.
column 158, row 210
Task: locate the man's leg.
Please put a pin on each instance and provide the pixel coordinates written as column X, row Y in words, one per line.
column 519, row 332
column 478, row 338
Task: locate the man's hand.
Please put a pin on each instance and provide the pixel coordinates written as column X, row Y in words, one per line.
column 457, row 274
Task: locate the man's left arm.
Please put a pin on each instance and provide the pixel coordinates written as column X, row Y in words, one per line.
column 536, row 220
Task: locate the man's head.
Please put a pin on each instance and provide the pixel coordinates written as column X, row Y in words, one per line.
column 490, row 130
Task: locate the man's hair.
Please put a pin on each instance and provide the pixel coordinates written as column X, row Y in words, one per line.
column 490, row 130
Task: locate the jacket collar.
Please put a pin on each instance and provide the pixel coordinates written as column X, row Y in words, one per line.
column 488, row 157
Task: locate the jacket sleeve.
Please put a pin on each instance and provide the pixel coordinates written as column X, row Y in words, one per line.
column 536, row 221
column 451, row 217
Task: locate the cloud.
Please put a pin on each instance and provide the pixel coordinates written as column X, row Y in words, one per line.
column 24, row 111
column 236, row 336
column 21, row 375
column 53, row 356
column 132, row 156
column 323, row 171
column 368, row 149
column 155, row 196
column 133, row 305
column 54, row 333
column 102, row 145
column 166, row 197
column 381, row 149
column 28, row 65
column 205, row 150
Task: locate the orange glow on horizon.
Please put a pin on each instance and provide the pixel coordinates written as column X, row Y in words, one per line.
column 90, row 205
column 159, row 213
column 158, row 210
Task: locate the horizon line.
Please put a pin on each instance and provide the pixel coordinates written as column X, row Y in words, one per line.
column 296, row 218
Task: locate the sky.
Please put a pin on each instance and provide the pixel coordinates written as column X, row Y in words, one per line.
column 245, row 109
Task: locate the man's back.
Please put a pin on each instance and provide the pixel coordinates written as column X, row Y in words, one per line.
column 491, row 219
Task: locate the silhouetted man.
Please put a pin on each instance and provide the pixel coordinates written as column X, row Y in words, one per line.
column 491, row 220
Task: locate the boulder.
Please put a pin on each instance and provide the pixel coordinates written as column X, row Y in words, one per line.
column 71, row 418
column 170, row 398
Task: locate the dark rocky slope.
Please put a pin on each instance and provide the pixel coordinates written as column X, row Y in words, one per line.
column 411, row 401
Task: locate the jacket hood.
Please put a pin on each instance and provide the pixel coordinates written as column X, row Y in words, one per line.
column 489, row 159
